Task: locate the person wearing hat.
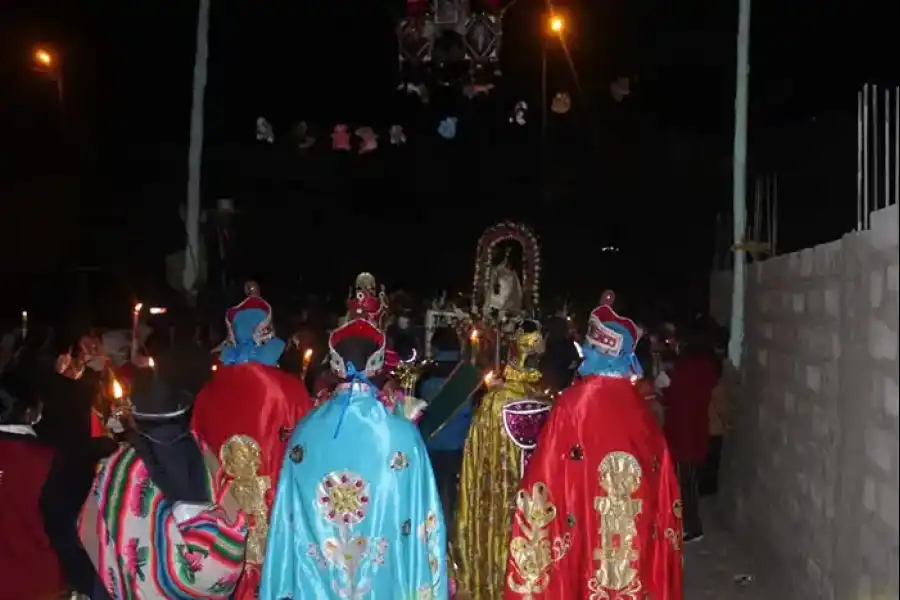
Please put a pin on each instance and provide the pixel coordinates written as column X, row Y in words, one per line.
column 503, row 432
column 598, row 513
column 250, row 401
column 27, row 558
column 357, row 512
column 158, row 523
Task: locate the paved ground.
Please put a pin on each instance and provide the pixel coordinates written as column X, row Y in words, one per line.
column 716, row 568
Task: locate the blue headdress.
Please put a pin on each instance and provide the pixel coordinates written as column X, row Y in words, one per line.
column 609, row 344
column 251, row 336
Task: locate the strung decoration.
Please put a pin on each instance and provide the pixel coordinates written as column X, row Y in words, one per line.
column 340, row 138
column 415, row 89
column 264, row 132
column 369, row 140
column 620, row 88
column 398, row 136
column 519, row 110
column 302, row 137
column 562, row 103
column 471, row 90
column 447, row 128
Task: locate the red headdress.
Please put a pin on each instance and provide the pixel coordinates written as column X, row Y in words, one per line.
column 608, row 330
column 363, row 329
column 365, row 303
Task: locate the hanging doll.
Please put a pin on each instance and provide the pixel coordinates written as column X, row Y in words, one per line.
column 264, row 132
column 368, row 140
column 302, row 137
column 519, row 110
column 397, row 135
column 561, row 104
column 340, row 138
column 447, row 128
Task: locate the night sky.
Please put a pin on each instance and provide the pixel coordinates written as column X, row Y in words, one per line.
column 102, row 186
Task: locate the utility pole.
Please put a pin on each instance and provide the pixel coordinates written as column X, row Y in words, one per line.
column 739, row 184
column 195, row 156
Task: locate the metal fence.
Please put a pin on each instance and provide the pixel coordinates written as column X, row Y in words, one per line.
column 877, row 151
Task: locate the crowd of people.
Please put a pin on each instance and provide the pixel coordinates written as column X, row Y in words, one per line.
column 574, row 470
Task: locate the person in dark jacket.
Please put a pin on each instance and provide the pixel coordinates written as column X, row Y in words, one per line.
column 446, row 448
column 29, row 565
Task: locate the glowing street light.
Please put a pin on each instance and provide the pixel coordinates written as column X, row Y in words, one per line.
column 44, row 58
column 557, row 24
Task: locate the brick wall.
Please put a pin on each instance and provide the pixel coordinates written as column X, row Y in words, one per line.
column 810, row 473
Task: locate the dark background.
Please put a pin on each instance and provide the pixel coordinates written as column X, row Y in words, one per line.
column 101, row 187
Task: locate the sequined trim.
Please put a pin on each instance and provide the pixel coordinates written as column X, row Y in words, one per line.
column 241, row 459
column 532, row 551
column 614, row 577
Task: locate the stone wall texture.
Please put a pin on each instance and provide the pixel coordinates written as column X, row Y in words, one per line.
column 810, row 470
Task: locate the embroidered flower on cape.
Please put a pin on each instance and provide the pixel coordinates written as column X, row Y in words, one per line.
column 343, row 498
column 136, row 557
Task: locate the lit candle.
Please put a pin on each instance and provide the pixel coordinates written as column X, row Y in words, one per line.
column 214, row 368
column 307, row 359
column 158, row 310
column 152, row 364
column 117, row 390
column 489, row 379
column 24, row 324
column 135, row 324
column 473, row 344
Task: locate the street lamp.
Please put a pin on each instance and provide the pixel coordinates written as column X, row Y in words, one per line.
column 46, row 61
column 555, row 26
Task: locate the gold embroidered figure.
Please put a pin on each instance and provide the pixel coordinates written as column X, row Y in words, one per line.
column 241, row 460
column 615, row 577
column 533, row 553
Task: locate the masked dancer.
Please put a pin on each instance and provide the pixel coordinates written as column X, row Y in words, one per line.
column 502, row 434
column 357, row 512
column 597, row 514
column 246, row 414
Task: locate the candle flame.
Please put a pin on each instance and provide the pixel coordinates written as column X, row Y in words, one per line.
column 307, row 356
column 138, row 307
column 214, row 368
column 158, row 310
column 117, row 390
column 24, row 314
column 151, row 363
column 489, row 378
column 473, row 337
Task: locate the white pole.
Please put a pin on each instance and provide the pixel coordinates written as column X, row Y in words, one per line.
column 865, row 156
column 875, row 148
column 195, row 154
column 859, row 161
column 739, row 183
column 775, row 214
column 887, row 146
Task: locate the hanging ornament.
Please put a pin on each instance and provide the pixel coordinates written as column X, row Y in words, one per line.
column 620, row 88
column 471, row 90
column 302, row 137
column 398, row 136
column 340, row 138
column 415, row 89
column 518, row 114
column 369, row 140
column 264, row 131
column 562, row 103
column 447, row 128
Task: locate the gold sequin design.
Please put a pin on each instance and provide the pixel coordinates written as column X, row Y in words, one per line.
column 532, row 551
column 241, row 459
column 615, row 578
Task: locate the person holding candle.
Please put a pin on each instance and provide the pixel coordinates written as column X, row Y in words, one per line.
column 502, row 433
column 250, row 401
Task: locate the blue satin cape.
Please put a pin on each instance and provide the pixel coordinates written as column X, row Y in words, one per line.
column 357, row 513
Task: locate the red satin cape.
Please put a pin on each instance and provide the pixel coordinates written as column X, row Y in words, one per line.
column 261, row 402
column 600, row 436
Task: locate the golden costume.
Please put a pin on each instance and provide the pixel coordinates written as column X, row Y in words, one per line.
column 502, row 434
